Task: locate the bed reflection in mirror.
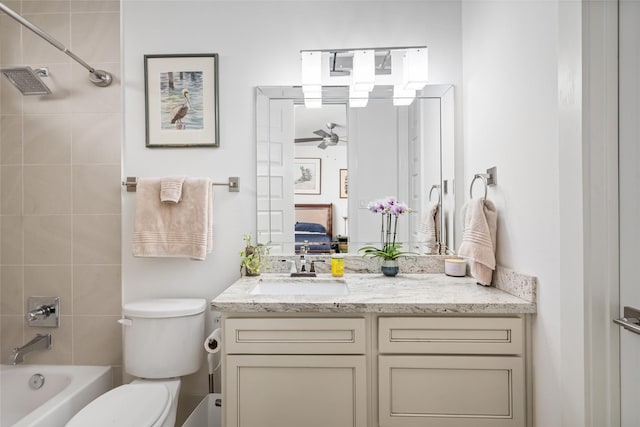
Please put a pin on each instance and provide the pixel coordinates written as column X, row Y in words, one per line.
column 313, row 229
column 319, row 168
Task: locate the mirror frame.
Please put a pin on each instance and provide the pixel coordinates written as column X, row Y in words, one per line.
column 266, row 95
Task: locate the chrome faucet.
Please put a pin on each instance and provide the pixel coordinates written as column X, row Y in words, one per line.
column 40, row 342
column 43, row 311
column 304, row 248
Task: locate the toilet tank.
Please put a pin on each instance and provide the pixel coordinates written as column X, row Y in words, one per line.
column 163, row 338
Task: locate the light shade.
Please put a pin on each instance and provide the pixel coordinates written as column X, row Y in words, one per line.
column 358, row 98
column 403, row 96
column 313, row 99
column 364, row 70
column 312, row 78
column 311, row 67
column 415, row 68
column 312, row 89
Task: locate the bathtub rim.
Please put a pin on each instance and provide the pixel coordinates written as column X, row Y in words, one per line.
column 83, row 378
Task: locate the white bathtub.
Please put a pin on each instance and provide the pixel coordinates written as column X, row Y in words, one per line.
column 65, row 391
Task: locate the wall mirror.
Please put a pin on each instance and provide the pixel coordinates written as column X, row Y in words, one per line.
column 318, row 169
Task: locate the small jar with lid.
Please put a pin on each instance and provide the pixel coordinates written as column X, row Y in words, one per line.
column 456, row 267
column 337, row 265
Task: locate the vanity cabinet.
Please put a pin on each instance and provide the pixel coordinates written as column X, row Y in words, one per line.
column 319, row 370
column 282, row 372
column 450, row 371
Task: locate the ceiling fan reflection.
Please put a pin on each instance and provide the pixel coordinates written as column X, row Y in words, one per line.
column 325, row 138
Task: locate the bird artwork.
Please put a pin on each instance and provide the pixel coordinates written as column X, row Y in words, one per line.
column 305, row 175
column 178, row 113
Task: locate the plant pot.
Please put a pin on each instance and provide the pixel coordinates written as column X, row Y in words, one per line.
column 249, row 272
column 390, row 267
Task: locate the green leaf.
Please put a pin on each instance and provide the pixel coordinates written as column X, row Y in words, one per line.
column 391, row 251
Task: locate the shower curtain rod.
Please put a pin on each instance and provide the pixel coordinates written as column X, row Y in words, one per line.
column 98, row 77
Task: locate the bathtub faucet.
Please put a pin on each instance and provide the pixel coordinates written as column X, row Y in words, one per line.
column 42, row 311
column 40, row 342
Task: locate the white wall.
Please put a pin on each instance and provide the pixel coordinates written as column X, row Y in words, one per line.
column 255, row 49
column 522, row 106
column 258, row 44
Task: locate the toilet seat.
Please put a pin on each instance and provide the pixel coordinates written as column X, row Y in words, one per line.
column 131, row 405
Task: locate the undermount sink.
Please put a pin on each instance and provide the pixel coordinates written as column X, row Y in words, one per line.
column 300, row 287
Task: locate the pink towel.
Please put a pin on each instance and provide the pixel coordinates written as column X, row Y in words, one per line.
column 180, row 230
column 479, row 225
column 171, row 189
column 429, row 230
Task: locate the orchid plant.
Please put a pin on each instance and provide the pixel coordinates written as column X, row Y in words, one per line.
column 391, row 210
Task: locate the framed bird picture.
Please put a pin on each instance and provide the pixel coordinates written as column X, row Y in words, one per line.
column 181, row 100
column 307, row 176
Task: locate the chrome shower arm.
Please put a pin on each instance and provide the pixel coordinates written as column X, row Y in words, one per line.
column 102, row 78
column 44, row 35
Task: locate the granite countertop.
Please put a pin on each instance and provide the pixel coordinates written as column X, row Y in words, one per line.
column 375, row 293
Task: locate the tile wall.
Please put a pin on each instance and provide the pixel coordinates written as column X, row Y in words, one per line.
column 60, row 159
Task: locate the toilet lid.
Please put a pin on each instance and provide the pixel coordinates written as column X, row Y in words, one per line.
column 131, row 405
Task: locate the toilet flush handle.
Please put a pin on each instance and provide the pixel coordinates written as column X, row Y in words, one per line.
column 125, row 322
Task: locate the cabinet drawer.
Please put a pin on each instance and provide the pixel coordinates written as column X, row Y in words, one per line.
column 450, row 335
column 295, row 336
column 451, row 391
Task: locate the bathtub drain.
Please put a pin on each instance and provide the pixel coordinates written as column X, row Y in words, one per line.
column 36, row 381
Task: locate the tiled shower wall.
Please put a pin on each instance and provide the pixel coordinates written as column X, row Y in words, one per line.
column 60, row 183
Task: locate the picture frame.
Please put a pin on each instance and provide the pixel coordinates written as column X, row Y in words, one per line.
column 181, row 100
column 344, row 184
column 307, row 175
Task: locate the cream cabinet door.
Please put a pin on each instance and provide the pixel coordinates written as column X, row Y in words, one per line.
column 451, row 391
column 295, row 391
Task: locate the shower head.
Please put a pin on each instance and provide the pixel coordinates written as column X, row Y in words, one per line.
column 27, row 80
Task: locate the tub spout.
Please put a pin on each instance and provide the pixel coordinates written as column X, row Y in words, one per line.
column 40, row 342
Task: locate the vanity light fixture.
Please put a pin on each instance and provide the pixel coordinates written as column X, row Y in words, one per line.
column 404, row 68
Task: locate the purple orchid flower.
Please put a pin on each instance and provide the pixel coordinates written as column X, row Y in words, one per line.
column 398, row 209
column 376, row 207
column 390, row 202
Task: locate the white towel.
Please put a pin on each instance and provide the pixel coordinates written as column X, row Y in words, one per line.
column 180, row 230
column 171, row 189
column 429, row 229
column 479, row 225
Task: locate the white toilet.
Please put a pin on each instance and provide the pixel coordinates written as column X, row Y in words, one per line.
column 162, row 342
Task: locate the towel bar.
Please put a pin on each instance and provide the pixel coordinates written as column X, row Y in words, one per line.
column 234, row 184
column 437, row 188
column 488, row 179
